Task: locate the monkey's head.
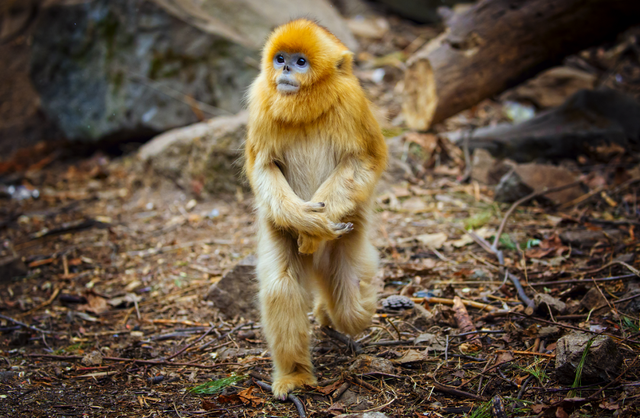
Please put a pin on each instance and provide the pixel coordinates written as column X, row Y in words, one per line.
column 301, row 56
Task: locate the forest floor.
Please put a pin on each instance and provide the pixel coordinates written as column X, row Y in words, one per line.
column 123, row 270
column 110, row 316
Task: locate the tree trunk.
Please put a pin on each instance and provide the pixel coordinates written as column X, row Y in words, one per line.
column 497, row 44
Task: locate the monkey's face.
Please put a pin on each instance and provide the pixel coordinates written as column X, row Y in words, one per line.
column 290, row 69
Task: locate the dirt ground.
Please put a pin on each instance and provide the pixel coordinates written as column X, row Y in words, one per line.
column 123, row 269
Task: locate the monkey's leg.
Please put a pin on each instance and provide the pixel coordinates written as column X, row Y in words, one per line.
column 346, row 271
column 284, row 302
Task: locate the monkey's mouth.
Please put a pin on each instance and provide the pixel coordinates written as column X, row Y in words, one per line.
column 287, row 85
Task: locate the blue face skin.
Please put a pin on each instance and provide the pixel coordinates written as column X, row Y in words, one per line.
column 289, row 64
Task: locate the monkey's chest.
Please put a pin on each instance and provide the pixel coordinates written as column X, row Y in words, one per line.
column 307, row 164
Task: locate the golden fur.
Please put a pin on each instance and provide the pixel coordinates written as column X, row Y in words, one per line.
column 313, row 159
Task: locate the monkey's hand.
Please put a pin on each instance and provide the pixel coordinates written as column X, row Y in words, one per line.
column 309, row 244
column 308, row 218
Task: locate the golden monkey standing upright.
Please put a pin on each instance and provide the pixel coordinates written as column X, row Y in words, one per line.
column 314, row 153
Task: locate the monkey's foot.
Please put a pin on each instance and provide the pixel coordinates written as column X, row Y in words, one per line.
column 352, row 321
column 307, row 244
column 322, row 317
column 285, row 384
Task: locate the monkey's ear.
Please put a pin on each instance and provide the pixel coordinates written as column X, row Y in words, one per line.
column 345, row 61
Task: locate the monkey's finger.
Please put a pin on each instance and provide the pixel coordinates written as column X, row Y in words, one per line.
column 343, row 228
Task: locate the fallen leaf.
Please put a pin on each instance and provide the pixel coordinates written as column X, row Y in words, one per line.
column 337, row 407
column 538, row 252
column 415, row 205
column 433, row 241
column 95, row 304
column 537, row 408
column 560, row 413
column 228, row 398
column 246, row 397
column 410, row 356
column 208, row 405
column 504, row 357
column 464, row 240
column 330, row 388
column 611, row 406
column 470, row 347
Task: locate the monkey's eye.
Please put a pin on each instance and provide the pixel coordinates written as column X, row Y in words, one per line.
column 301, row 62
column 280, row 59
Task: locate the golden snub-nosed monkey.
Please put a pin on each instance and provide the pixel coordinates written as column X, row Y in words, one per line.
column 314, row 153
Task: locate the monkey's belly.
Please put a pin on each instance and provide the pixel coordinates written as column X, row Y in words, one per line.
column 307, row 164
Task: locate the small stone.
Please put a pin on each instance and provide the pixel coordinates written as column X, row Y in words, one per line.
column 487, row 170
column 246, row 335
column 19, row 338
column 364, row 415
column 411, row 356
column 93, row 358
column 156, row 379
column 551, row 331
column 632, row 306
column 397, row 302
column 586, row 237
column 229, row 353
column 432, row 341
column 593, row 300
column 6, row 375
column 602, row 362
column 235, row 294
column 11, row 267
column 545, row 302
column 349, row 398
column 370, row 364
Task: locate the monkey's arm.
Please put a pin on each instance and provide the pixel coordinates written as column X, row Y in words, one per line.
column 351, row 183
column 283, row 207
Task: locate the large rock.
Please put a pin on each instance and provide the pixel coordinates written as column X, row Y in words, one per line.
column 200, row 157
column 129, row 69
column 236, row 293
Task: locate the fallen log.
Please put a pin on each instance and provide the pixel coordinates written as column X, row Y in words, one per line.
column 497, row 44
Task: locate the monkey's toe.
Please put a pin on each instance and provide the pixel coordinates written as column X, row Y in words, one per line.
column 285, row 384
column 322, row 316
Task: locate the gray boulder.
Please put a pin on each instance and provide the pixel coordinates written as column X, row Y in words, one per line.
column 201, row 158
column 129, row 69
